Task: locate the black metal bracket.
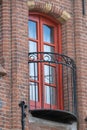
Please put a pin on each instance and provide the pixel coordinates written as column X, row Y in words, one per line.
column 23, row 113
column 83, row 7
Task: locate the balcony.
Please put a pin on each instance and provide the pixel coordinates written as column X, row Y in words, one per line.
column 60, row 97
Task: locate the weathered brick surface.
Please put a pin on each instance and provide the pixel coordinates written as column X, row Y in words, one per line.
column 14, row 56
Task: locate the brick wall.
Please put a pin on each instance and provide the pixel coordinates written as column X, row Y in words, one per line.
column 0, row 33
column 14, row 57
column 5, row 84
column 19, row 54
column 14, row 86
column 80, row 44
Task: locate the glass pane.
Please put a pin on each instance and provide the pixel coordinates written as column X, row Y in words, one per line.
column 33, row 71
column 48, row 34
column 32, row 29
column 48, row 48
column 49, row 74
column 32, row 46
column 50, row 95
column 34, row 91
column 48, row 57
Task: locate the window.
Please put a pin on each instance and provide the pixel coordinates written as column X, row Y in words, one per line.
column 44, row 77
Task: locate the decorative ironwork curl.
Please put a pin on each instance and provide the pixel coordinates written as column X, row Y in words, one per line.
column 52, row 58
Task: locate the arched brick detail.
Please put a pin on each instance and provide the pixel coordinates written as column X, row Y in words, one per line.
column 59, row 13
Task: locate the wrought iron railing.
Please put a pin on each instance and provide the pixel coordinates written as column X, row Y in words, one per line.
column 68, row 77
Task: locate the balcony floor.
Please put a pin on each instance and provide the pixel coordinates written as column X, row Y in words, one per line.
column 54, row 115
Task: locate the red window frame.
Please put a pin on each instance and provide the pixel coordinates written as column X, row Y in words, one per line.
column 43, row 19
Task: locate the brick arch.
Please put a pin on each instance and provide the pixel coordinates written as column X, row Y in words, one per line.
column 50, row 9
